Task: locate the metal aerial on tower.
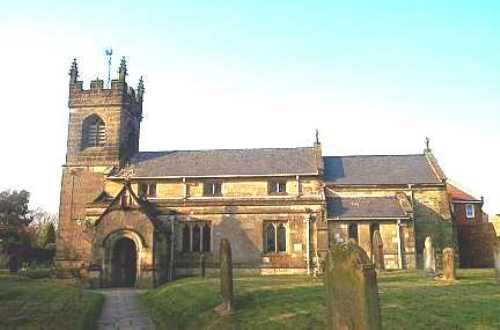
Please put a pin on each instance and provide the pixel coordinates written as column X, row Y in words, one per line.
column 109, row 53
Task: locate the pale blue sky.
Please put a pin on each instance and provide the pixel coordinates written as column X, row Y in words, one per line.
column 374, row 77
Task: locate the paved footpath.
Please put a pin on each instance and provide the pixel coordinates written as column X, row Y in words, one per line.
column 121, row 311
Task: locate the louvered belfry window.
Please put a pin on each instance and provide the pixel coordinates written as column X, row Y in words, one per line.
column 94, row 132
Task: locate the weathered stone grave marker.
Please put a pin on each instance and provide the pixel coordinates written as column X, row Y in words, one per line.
column 496, row 255
column 226, row 278
column 352, row 290
column 449, row 264
column 378, row 250
column 429, row 256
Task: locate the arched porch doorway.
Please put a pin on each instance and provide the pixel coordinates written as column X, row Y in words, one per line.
column 124, row 263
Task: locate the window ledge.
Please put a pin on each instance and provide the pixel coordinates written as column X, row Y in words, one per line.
column 276, row 254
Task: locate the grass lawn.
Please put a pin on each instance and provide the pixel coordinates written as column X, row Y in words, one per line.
column 409, row 301
column 46, row 304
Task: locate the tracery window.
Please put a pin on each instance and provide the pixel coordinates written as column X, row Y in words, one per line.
column 186, row 238
column 281, row 235
column 270, row 238
column 275, row 237
column 196, row 238
column 93, row 132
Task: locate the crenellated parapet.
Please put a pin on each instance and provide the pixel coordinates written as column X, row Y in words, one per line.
column 119, row 93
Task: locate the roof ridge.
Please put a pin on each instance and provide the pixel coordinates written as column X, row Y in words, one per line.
column 224, row 149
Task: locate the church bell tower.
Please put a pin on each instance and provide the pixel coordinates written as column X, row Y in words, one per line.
column 103, row 133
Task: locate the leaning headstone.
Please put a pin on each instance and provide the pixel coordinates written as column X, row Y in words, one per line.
column 496, row 255
column 202, row 265
column 449, row 264
column 378, row 251
column 352, row 291
column 429, row 256
column 226, row 278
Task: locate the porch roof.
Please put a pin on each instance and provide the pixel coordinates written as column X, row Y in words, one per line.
column 365, row 208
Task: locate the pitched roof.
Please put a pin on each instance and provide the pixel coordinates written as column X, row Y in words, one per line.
column 365, row 207
column 375, row 169
column 225, row 162
column 458, row 194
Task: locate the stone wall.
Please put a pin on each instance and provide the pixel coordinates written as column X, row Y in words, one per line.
column 231, row 187
column 244, row 227
column 78, row 187
column 433, row 218
column 388, row 231
column 432, row 215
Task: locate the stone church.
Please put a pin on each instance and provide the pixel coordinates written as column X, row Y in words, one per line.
column 133, row 218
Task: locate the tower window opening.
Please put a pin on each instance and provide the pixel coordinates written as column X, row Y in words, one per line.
column 94, row 132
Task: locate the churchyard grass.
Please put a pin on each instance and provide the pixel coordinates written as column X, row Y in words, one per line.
column 46, row 304
column 408, row 301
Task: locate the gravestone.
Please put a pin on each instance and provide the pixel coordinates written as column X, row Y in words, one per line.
column 226, row 278
column 352, row 290
column 496, row 255
column 429, row 256
column 202, row 265
column 449, row 264
column 378, row 250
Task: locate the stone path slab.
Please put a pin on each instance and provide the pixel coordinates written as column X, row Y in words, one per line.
column 121, row 311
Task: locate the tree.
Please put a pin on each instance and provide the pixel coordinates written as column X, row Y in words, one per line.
column 50, row 234
column 15, row 216
column 42, row 229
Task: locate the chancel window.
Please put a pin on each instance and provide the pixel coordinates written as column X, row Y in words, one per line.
column 281, row 235
column 275, row 237
column 212, row 189
column 196, row 237
column 93, row 132
column 277, row 187
column 147, row 189
column 270, row 238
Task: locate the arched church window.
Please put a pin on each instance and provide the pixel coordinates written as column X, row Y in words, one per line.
column 93, row 132
column 186, row 238
column 281, row 235
column 196, row 238
column 270, row 238
column 206, row 238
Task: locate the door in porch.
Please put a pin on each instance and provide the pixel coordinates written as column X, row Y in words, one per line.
column 124, row 263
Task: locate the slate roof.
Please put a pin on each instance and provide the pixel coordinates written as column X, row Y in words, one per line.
column 374, row 169
column 225, row 162
column 365, row 207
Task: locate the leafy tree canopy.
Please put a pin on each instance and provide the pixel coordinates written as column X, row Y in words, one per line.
column 15, row 216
